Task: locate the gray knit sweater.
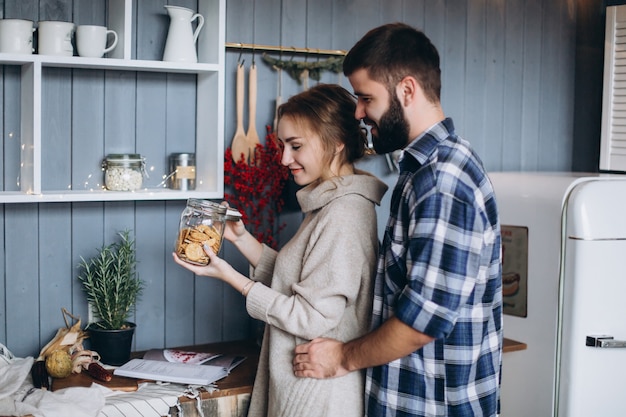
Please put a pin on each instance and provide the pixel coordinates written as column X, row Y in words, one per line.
column 319, row 284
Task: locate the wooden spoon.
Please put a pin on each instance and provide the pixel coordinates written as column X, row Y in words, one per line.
column 279, row 93
column 252, row 137
column 239, row 145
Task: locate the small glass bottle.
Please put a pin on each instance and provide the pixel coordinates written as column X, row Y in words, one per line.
column 123, row 172
column 201, row 223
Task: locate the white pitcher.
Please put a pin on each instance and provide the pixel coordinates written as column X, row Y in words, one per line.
column 180, row 45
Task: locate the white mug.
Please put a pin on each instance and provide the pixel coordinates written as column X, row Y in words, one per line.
column 16, row 36
column 55, row 38
column 91, row 41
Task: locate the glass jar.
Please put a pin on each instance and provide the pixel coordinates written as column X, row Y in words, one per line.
column 124, row 172
column 201, row 223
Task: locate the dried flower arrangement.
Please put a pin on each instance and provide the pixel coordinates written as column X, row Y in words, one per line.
column 257, row 188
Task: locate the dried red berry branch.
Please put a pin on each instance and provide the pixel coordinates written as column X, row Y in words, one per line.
column 256, row 189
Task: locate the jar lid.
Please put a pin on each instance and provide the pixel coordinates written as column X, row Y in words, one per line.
column 124, row 157
column 182, row 155
column 233, row 215
column 206, row 204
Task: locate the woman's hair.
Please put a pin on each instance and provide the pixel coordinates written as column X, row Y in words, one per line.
column 393, row 51
column 327, row 110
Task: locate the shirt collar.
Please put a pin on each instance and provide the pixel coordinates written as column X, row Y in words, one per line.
column 424, row 145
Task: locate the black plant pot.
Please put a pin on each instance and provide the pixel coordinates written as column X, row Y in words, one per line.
column 113, row 346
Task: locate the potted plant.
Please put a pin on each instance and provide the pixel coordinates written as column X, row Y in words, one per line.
column 112, row 286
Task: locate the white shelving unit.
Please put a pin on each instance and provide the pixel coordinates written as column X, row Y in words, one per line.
column 210, row 98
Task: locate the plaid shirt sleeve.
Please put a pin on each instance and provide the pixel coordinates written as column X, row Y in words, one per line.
column 443, row 256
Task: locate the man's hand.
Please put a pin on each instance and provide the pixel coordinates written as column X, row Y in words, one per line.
column 320, row 358
column 328, row 358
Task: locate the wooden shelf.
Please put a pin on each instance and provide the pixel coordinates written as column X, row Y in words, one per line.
column 108, row 64
column 106, row 195
column 511, row 345
column 33, row 184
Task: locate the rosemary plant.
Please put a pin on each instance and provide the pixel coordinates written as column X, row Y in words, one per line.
column 111, row 283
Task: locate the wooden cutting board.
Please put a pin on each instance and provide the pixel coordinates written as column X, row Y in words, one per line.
column 117, row 383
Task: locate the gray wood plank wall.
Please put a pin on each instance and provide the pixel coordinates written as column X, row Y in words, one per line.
column 508, row 71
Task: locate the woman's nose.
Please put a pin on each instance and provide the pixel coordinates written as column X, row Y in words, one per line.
column 359, row 112
column 285, row 158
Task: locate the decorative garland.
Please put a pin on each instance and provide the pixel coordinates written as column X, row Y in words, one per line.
column 313, row 69
column 258, row 188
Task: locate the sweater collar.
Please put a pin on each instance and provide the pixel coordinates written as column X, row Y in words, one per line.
column 315, row 196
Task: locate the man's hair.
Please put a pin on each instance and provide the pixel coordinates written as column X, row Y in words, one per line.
column 393, row 51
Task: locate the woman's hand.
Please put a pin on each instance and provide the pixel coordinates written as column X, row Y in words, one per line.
column 217, row 267
column 234, row 229
column 236, row 233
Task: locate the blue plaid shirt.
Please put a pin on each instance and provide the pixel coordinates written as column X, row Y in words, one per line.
column 439, row 271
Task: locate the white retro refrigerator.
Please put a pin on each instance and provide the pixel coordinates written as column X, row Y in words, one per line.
column 564, row 281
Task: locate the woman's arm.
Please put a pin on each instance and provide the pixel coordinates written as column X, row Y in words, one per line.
column 236, row 233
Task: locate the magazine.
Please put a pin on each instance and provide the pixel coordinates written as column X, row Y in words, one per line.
column 181, row 356
column 195, row 358
column 182, row 373
column 227, row 361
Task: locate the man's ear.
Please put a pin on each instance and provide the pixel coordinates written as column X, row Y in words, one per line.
column 407, row 90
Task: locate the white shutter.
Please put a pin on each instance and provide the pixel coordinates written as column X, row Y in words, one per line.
column 613, row 139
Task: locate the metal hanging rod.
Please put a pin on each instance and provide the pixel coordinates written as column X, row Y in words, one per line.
column 290, row 49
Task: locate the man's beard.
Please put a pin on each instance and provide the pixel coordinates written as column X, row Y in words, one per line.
column 393, row 130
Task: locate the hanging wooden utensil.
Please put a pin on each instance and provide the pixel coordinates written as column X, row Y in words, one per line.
column 279, row 93
column 252, row 137
column 239, row 145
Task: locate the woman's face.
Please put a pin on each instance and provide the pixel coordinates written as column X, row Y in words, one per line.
column 303, row 153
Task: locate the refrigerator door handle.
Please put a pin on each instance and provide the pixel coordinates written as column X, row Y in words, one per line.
column 605, row 342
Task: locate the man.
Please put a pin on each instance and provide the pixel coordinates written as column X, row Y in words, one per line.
column 435, row 347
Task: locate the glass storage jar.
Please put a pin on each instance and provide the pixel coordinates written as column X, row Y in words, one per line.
column 201, row 223
column 124, row 172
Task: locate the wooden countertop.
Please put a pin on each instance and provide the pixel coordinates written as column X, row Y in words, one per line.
column 241, row 379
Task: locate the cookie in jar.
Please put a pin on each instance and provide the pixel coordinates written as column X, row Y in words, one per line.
column 201, row 223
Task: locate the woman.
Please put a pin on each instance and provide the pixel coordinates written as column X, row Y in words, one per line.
column 320, row 282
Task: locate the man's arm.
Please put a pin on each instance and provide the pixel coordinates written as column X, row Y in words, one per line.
column 327, row 358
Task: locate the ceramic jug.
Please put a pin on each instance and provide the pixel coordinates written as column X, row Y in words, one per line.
column 180, row 45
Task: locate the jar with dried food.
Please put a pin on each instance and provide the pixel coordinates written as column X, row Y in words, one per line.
column 124, row 172
column 201, row 223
